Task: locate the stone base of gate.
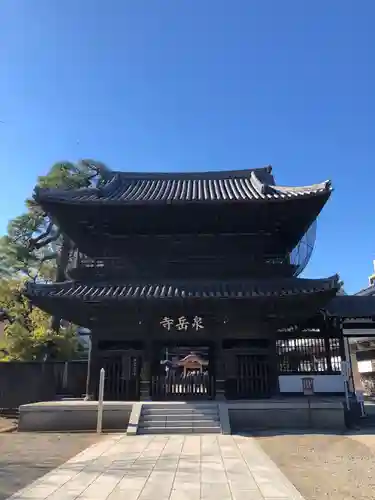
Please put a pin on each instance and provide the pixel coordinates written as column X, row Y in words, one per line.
column 287, row 415
column 235, row 416
column 73, row 416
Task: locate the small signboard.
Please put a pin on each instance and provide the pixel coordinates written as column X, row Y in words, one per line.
column 308, row 386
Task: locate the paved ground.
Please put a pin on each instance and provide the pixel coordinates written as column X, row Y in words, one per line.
column 25, row 457
column 176, row 467
column 326, row 466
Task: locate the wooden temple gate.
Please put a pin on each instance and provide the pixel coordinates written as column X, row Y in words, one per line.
column 244, row 370
column 249, row 378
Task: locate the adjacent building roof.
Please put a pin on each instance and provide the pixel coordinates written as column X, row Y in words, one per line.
column 228, row 186
column 352, row 306
column 365, row 292
column 183, row 290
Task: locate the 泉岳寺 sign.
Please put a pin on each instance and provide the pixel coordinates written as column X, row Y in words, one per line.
column 182, row 323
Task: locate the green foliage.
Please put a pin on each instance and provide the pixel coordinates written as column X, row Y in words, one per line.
column 27, row 334
column 17, row 259
column 32, row 244
column 33, row 248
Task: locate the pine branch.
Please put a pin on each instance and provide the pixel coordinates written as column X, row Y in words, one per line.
column 38, row 243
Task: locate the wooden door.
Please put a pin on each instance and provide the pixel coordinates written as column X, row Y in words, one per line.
column 122, row 377
column 253, row 376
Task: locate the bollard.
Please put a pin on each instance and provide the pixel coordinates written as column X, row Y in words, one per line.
column 65, row 376
column 99, row 423
column 87, row 396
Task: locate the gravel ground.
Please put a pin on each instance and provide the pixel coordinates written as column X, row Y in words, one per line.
column 334, row 467
column 25, row 457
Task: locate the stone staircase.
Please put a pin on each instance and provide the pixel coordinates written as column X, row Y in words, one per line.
column 184, row 418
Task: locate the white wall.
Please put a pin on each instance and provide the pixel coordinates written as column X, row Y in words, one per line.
column 322, row 383
column 365, row 366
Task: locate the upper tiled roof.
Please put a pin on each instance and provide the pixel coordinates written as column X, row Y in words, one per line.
column 232, row 185
column 184, row 290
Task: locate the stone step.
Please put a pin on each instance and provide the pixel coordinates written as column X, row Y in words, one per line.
column 186, row 406
column 184, row 413
column 186, row 418
column 178, row 423
column 180, row 430
column 179, row 410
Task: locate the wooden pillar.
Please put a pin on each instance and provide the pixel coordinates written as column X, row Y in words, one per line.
column 95, row 367
column 220, row 370
column 273, row 360
column 328, row 351
column 145, row 382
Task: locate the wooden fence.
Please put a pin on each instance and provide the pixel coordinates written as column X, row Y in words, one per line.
column 30, row 382
column 200, row 386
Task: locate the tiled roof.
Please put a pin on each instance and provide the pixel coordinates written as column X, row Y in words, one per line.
column 233, row 185
column 368, row 291
column 352, row 306
column 184, row 290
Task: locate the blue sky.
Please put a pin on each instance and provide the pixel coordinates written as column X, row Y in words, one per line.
column 199, row 85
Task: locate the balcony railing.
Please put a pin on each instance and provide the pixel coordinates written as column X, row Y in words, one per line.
column 203, row 266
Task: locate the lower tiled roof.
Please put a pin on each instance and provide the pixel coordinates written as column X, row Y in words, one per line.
column 183, row 290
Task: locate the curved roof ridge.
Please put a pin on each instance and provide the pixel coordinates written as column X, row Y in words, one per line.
column 259, row 185
column 204, row 174
column 298, row 190
column 184, row 187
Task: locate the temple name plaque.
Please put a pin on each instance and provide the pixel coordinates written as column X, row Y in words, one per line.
column 182, row 323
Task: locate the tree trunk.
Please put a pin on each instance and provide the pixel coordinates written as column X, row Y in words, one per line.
column 62, row 264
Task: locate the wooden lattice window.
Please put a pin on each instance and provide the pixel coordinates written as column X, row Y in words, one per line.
column 309, row 355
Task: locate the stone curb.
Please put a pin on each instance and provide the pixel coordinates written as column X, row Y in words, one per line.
column 9, row 428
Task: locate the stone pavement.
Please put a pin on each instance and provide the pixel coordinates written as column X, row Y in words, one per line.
column 209, row 467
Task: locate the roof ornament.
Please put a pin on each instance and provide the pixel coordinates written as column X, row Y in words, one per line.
column 260, row 186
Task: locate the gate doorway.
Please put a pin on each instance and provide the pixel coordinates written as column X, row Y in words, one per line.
column 122, row 362
column 122, row 377
column 253, row 376
column 183, row 372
